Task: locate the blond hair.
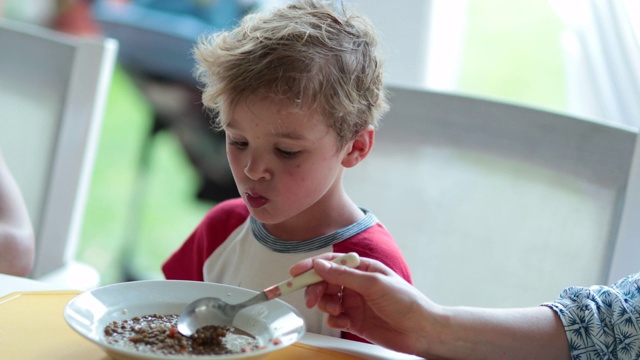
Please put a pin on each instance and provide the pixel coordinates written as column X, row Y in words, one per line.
column 309, row 52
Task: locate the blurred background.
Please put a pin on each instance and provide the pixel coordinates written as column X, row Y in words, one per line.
column 153, row 181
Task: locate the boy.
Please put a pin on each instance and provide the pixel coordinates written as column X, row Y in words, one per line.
column 298, row 93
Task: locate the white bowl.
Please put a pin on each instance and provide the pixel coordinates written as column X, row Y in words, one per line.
column 275, row 324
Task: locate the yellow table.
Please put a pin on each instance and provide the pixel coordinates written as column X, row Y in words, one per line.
column 32, row 326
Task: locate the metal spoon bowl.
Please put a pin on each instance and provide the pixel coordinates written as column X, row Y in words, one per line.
column 215, row 311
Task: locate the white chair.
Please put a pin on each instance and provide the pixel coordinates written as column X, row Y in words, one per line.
column 496, row 204
column 53, row 89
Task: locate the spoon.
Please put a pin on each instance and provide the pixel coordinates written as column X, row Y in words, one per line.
column 215, row 311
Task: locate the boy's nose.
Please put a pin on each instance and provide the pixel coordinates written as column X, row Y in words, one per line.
column 256, row 169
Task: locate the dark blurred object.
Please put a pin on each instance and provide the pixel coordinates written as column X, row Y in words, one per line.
column 157, row 36
column 156, row 41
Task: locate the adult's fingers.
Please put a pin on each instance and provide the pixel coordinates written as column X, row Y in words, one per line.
column 334, row 276
column 306, row 264
column 358, row 279
column 314, row 292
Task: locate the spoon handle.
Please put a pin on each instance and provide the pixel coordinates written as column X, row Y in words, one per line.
column 307, row 278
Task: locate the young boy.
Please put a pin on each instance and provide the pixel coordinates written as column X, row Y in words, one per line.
column 298, row 93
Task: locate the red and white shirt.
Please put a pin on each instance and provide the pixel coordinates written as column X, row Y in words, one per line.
column 231, row 247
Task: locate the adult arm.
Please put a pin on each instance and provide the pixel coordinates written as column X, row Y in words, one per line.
column 17, row 243
column 381, row 307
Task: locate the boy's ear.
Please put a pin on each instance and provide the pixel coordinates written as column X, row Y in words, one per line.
column 359, row 147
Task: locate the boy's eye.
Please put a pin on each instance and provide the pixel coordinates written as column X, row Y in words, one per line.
column 288, row 154
column 238, row 144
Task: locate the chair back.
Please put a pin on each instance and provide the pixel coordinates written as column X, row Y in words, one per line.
column 53, row 89
column 497, row 204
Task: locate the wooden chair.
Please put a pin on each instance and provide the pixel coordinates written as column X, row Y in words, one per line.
column 497, row 204
column 53, row 89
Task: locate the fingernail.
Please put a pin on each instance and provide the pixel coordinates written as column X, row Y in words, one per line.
column 334, row 308
column 341, row 323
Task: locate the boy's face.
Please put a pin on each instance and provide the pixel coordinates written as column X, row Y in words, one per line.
column 285, row 161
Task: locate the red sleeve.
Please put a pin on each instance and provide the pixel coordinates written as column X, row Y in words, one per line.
column 375, row 243
column 187, row 261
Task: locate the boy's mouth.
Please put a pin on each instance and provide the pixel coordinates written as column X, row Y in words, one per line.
column 256, row 201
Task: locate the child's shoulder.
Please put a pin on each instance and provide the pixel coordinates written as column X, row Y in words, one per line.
column 376, row 236
column 228, row 210
column 377, row 243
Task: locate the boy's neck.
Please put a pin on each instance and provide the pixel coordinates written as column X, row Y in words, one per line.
column 309, row 226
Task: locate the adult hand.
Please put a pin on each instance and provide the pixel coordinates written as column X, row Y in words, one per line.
column 372, row 302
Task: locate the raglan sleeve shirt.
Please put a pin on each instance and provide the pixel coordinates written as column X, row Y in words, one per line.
column 230, row 247
column 186, row 262
column 602, row 322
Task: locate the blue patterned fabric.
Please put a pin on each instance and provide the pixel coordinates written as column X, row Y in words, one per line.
column 602, row 322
